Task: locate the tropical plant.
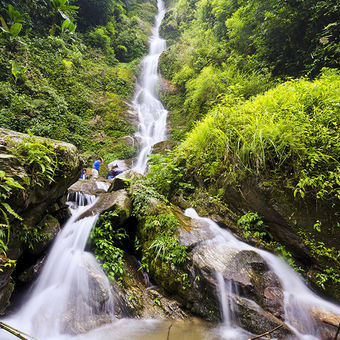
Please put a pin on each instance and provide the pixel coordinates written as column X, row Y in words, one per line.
column 17, row 70
column 106, row 240
column 7, row 184
column 39, row 158
column 62, row 7
column 15, row 22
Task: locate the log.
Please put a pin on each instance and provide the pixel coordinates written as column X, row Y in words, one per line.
column 265, row 333
column 15, row 332
column 168, row 338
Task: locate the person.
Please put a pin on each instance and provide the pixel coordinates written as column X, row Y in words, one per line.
column 84, row 174
column 96, row 167
column 113, row 172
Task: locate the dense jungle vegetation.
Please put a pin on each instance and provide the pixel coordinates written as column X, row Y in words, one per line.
column 241, row 48
column 252, row 88
column 67, row 69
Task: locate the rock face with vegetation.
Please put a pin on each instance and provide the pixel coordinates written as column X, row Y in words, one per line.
column 176, row 252
column 68, row 70
column 36, row 174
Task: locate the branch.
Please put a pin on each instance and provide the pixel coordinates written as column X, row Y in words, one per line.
column 337, row 332
column 266, row 333
column 168, row 338
column 14, row 331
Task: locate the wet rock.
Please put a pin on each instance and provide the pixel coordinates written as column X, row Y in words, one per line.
column 327, row 322
column 119, row 201
column 258, row 321
column 49, row 228
column 139, row 299
column 36, row 201
column 90, row 304
column 6, row 284
column 89, row 187
column 123, row 180
column 195, row 283
column 163, row 147
column 128, row 140
column 30, row 274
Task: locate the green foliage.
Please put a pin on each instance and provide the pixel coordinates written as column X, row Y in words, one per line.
column 39, row 159
column 68, row 85
column 106, row 239
column 166, row 176
column 141, row 196
column 253, row 226
column 328, row 275
column 291, row 134
column 7, row 184
column 17, row 70
column 219, row 45
column 15, row 22
column 32, row 236
column 168, row 249
column 164, row 246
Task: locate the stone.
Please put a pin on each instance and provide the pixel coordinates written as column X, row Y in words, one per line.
column 118, row 201
column 89, row 187
column 36, row 201
column 139, row 299
column 6, row 284
column 49, row 228
column 31, row 273
column 123, row 180
column 195, row 286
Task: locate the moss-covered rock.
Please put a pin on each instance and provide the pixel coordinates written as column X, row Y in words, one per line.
column 43, row 198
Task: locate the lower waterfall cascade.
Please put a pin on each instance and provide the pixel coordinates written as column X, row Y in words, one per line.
column 298, row 298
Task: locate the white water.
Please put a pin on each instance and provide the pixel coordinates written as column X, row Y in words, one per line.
column 298, row 298
column 66, row 288
column 151, row 112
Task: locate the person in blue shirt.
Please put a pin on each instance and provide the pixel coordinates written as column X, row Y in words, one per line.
column 96, row 167
column 84, row 174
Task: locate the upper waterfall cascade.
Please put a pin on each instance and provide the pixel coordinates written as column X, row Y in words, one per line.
column 151, row 113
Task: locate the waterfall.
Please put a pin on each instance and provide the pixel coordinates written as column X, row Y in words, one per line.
column 298, row 298
column 151, row 112
column 72, row 293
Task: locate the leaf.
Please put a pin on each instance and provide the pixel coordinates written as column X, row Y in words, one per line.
column 4, row 25
column 10, row 181
column 64, row 15
column 15, row 29
column 11, row 211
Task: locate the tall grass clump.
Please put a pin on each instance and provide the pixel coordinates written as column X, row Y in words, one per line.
column 290, row 135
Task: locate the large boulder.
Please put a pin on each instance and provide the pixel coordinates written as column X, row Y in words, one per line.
column 119, row 201
column 40, row 197
column 123, row 180
column 292, row 221
column 89, row 187
column 195, row 284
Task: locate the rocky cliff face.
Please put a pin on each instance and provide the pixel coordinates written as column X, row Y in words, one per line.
column 41, row 204
column 191, row 287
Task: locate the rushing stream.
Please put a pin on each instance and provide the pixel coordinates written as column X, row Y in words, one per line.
column 151, row 112
column 298, row 298
column 68, row 284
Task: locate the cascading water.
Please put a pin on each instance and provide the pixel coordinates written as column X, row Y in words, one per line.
column 151, row 112
column 65, row 297
column 298, row 298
